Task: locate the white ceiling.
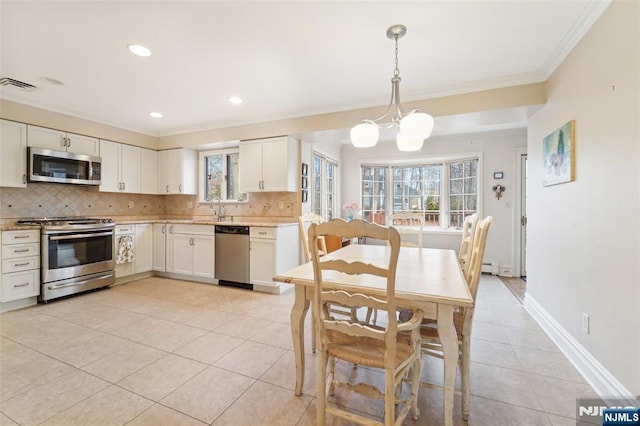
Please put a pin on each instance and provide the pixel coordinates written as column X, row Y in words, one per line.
column 285, row 59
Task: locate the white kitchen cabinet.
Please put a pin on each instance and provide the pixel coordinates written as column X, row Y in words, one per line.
column 121, row 232
column 13, row 154
column 144, row 248
column 121, row 165
column 177, row 172
column 148, row 171
column 269, row 165
column 19, row 266
column 159, row 247
column 272, row 250
column 190, row 250
column 57, row 140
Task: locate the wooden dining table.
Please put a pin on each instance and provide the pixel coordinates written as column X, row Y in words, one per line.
column 426, row 278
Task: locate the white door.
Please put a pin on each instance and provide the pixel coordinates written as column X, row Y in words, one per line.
column 110, row 167
column 130, row 168
column 79, row 144
column 250, row 167
column 144, row 247
column 13, row 154
column 262, row 261
column 203, row 256
column 46, row 138
column 523, row 218
column 159, row 246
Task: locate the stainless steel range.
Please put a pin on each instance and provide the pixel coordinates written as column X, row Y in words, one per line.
column 77, row 255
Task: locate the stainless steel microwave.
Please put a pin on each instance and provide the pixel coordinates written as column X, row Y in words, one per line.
column 46, row 165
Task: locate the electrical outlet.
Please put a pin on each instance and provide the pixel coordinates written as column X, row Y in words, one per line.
column 189, row 204
column 131, row 205
column 281, row 204
column 585, row 323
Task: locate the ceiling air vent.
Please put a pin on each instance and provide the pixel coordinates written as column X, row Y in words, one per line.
column 6, row 81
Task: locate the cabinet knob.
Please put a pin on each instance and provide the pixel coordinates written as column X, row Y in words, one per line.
column 180, row 188
column 171, row 229
column 163, row 228
column 167, row 188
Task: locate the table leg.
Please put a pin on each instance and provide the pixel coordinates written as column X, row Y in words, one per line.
column 298, row 314
column 449, row 340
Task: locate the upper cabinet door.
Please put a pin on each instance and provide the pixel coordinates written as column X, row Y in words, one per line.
column 279, row 164
column 56, row 140
column 110, row 167
column 148, row 171
column 13, row 154
column 250, row 167
column 42, row 137
column 79, row 144
column 130, row 168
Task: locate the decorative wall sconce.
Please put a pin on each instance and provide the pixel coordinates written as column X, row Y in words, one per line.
column 499, row 189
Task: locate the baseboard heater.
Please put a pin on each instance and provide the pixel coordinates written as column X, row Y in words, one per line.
column 235, row 284
column 490, row 268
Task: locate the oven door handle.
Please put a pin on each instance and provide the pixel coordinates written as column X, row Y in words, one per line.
column 72, row 236
column 73, row 284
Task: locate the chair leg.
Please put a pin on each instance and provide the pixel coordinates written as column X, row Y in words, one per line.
column 465, row 359
column 332, row 373
column 415, row 374
column 322, row 389
column 313, row 334
column 389, row 398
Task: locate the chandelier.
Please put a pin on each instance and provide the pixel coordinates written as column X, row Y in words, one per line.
column 414, row 127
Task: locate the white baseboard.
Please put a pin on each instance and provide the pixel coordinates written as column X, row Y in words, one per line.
column 601, row 380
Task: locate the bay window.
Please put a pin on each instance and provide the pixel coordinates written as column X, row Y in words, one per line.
column 443, row 191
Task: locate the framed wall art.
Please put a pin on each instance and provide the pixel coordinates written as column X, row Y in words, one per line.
column 558, row 155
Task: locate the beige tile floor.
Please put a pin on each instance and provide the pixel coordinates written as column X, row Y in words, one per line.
column 161, row 351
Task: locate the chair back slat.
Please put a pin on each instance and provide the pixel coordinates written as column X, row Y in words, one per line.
column 476, row 256
column 325, row 295
column 410, row 226
column 353, row 268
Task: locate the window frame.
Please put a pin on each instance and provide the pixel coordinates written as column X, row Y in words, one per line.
column 325, row 161
column 202, row 174
column 444, row 161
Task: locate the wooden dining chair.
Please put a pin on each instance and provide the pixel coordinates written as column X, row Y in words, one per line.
column 304, row 221
column 468, row 234
column 378, row 347
column 409, row 225
column 463, row 319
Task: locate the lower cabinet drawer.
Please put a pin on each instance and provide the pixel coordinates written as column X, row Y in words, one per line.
column 19, row 285
column 20, row 250
column 21, row 264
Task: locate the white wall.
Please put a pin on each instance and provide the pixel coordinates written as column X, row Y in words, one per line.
column 584, row 236
column 498, row 151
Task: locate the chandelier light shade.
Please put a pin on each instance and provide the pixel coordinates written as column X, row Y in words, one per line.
column 364, row 135
column 408, row 142
column 414, row 127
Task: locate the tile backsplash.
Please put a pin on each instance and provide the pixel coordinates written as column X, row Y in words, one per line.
column 50, row 199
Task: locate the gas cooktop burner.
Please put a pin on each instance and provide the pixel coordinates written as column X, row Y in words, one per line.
column 58, row 221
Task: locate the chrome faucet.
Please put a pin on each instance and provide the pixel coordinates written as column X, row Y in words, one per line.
column 220, row 212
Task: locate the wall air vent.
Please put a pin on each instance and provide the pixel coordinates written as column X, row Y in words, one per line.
column 6, row 81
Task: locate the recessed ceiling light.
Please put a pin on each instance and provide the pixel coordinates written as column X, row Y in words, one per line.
column 156, row 114
column 139, row 50
column 234, row 100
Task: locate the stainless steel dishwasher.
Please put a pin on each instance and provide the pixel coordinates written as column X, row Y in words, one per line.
column 232, row 256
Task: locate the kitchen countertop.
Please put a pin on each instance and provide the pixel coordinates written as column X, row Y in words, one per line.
column 240, row 222
column 11, row 225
